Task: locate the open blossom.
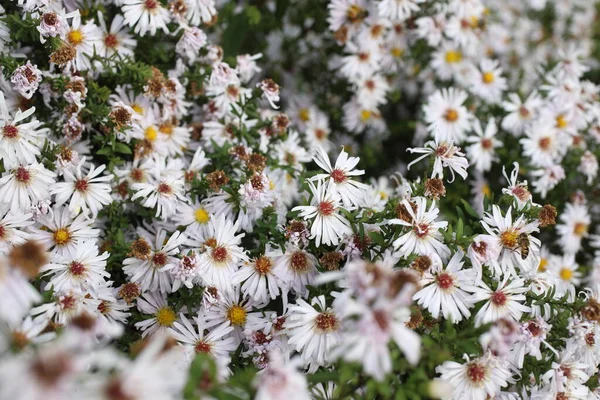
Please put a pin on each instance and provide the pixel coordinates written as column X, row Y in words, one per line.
column 328, row 225
column 86, row 193
column 25, row 185
column 339, row 177
column 444, row 289
column 146, row 16
column 446, row 156
column 503, row 302
column 423, row 236
column 446, row 115
column 271, row 91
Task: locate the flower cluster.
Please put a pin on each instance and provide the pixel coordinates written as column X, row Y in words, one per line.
column 348, row 199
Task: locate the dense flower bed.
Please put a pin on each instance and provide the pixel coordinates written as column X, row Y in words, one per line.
column 299, row 199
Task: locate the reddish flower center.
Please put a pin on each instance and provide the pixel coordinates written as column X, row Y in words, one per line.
column 326, row 322
column 476, row 373
column 81, row 185
column 2, row 232
column 338, row 175
column 103, row 308
column 159, row 259
column 164, row 188
column 299, row 262
column 421, row 230
column 151, row 4
column 590, row 339
column 76, row 268
column 498, row 298
column 544, row 143
column 445, row 281
column 10, row 131
column 22, row 175
column 524, row 112
column 486, row 143
column 111, row 40
column 202, row 347
column 219, row 254
column 136, row 175
column 263, row 265
column 67, row 302
column 534, row 328
column 326, row 208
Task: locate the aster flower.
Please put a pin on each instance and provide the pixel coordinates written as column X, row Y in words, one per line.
column 423, row 236
column 574, row 226
column 222, row 254
column 446, row 115
column 339, row 177
column 85, row 193
column 163, row 316
column 328, row 226
column 146, row 16
column 444, row 289
column 313, row 331
column 504, row 302
column 25, row 186
column 482, row 150
column 446, row 156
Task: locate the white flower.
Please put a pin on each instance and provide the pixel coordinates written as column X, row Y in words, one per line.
column 520, row 114
column 19, row 141
column 446, row 156
column 85, row 39
column 11, row 228
column 297, row 269
column 196, row 341
column 444, row 289
column 281, row 380
column 145, row 16
column 116, row 39
column 200, row 11
column 424, row 236
column 447, row 116
column 82, row 268
column 17, row 295
column 547, row 178
column 476, row 379
column 25, row 186
column 223, row 254
column 398, row 10
column 588, row 166
column 482, row 150
column 340, row 176
column 165, row 194
column 87, row 194
column 148, row 266
column 487, row 82
column 328, row 225
column 313, row 332
column 518, row 190
column 504, row 302
column 190, row 43
column 259, row 277
column 574, row 224
column 163, row 316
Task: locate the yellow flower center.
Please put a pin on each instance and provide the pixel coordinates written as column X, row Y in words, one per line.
column 580, row 229
column 396, row 52
column 61, row 236
column 543, row 265
column 453, row 57
column 566, row 274
column 137, row 108
column 201, row 216
column 75, row 37
column 383, row 195
column 165, row 316
column 304, row 114
column 488, row 77
column 236, row 315
column 365, row 115
column 509, row 238
column 451, row 115
column 561, row 122
column 485, row 189
column 150, row 133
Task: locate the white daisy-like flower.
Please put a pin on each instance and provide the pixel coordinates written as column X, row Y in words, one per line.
column 339, row 177
column 11, row 228
column 446, row 115
column 424, row 236
column 487, row 81
column 25, row 186
column 543, row 144
column 444, row 289
column 165, row 194
column 85, row 39
column 116, row 38
column 398, row 10
column 313, row 332
column 446, row 156
column 476, row 379
column 574, row 224
column 83, row 268
column 482, row 152
column 296, row 268
column 200, row 340
column 521, row 114
column 328, row 225
column 259, row 277
column 87, row 193
column 163, row 315
column 146, row 16
column 504, row 302
column 223, row 254
column 200, row 11
column 151, row 257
